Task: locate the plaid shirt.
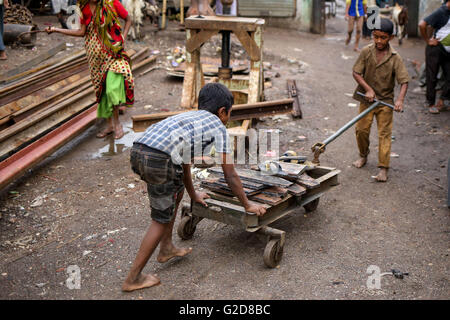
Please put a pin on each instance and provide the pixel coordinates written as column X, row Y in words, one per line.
column 187, row 134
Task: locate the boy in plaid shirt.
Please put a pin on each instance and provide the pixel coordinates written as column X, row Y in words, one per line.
column 162, row 157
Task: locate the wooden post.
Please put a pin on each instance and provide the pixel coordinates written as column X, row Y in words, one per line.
column 182, row 11
column 164, row 9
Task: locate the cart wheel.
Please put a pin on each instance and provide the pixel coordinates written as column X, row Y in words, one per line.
column 273, row 253
column 312, row 206
column 185, row 209
column 186, row 228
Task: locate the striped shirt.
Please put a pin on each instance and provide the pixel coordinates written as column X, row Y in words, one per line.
column 186, row 135
column 356, row 8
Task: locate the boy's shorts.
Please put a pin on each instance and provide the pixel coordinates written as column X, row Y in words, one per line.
column 164, row 180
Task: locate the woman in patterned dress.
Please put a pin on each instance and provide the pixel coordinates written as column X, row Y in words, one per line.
column 109, row 64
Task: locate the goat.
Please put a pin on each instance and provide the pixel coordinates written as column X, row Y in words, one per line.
column 152, row 11
column 134, row 8
column 400, row 17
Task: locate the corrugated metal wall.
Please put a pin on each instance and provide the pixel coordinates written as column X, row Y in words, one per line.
column 266, row 8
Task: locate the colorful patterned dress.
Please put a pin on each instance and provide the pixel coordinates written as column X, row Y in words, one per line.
column 106, row 56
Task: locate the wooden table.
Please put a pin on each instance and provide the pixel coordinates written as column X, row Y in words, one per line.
column 198, row 31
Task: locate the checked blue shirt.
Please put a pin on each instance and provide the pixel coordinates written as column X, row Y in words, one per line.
column 186, row 135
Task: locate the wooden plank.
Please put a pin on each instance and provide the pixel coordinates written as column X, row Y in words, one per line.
column 296, row 189
column 36, row 124
column 306, row 181
column 223, row 23
column 15, row 73
column 46, row 96
column 238, row 112
column 17, row 164
column 39, row 84
column 264, row 198
column 292, row 169
column 80, row 81
column 248, row 184
column 22, row 125
column 233, row 199
column 42, row 75
column 256, row 176
column 216, row 185
column 275, row 191
column 40, row 123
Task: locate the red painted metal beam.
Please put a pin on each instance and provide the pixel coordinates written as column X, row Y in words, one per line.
column 14, row 166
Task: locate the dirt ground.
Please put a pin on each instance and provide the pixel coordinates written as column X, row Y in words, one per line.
column 93, row 211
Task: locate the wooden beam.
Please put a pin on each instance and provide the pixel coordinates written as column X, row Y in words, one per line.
column 223, row 23
column 199, row 38
column 17, row 164
column 18, row 71
column 238, row 112
column 249, row 44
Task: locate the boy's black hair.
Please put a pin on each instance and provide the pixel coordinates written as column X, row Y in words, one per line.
column 386, row 25
column 214, row 96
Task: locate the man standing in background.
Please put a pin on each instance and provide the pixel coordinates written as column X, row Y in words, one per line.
column 437, row 54
column 355, row 12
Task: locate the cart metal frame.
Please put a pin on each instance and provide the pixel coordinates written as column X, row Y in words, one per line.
column 228, row 210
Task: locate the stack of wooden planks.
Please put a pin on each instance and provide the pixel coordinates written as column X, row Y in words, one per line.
column 263, row 188
column 34, row 103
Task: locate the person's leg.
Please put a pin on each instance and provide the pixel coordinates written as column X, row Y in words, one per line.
column 167, row 250
column 445, row 94
column 104, row 111
column 432, row 68
column 136, row 279
column 118, row 129
column 384, row 116
column 362, row 130
column 359, row 22
column 115, row 92
column 351, row 21
column 2, row 45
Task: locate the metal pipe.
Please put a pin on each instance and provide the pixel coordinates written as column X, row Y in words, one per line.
column 375, row 100
column 351, row 123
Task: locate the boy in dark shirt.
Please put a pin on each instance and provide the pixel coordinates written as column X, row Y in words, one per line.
column 375, row 71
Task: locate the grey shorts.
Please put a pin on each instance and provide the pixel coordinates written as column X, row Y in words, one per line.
column 164, row 180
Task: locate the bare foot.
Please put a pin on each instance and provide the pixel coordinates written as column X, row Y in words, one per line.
column 360, row 162
column 356, row 49
column 440, row 105
column 3, row 56
column 165, row 256
column 104, row 133
column 144, row 281
column 347, row 41
column 118, row 132
column 382, row 175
